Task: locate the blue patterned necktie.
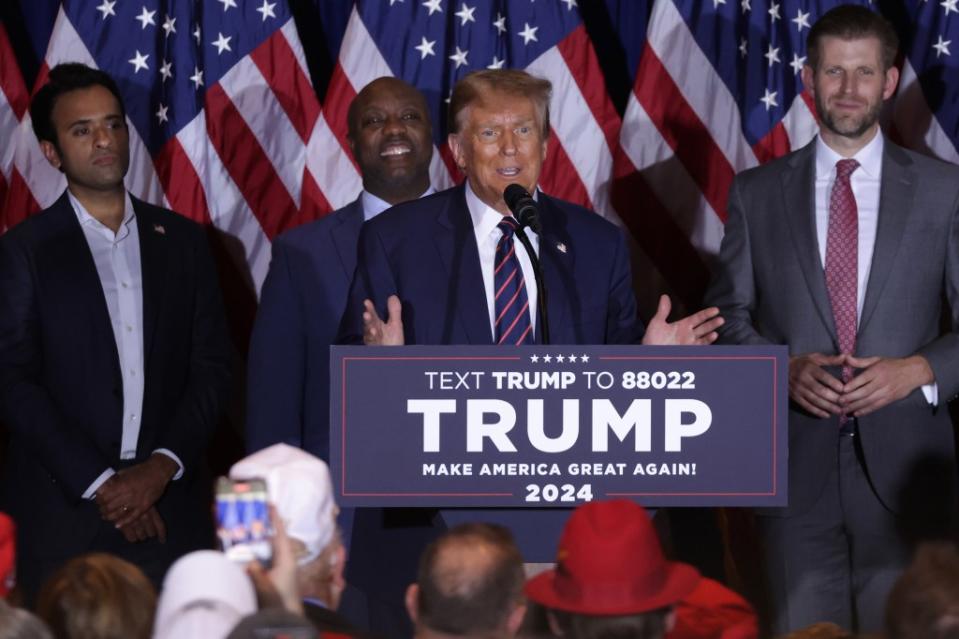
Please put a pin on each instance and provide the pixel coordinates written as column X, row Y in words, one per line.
column 512, row 324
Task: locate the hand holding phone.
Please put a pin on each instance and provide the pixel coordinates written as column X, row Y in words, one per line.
column 243, row 520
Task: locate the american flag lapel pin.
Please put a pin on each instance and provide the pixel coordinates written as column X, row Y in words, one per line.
column 158, row 228
column 561, row 247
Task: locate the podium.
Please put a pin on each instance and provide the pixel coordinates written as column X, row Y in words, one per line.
column 555, row 426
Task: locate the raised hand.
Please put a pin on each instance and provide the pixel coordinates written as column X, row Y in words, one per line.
column 696, row 329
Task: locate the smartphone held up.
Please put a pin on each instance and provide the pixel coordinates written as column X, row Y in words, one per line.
column 243, row 520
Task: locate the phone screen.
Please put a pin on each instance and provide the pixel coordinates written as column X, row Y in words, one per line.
column 243, row 520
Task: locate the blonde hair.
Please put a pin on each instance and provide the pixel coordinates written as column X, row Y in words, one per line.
column 473, row 87
column 98, row 596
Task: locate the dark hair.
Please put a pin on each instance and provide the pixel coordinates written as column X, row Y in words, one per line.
column 63, row 78
column 98, row 596
column 473, row 86
column 925, row 600
column 852, row 22
column 470, row 580
column 647, row 625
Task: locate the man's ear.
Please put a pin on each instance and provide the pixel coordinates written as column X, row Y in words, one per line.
column 808, row 76
column 338, row 563
column 413, row 602
column 455, row 143
column 515, row 619
column 553, row 624
column 890, row 82
column 51, row 154
column 352, row 143
column 670, row 620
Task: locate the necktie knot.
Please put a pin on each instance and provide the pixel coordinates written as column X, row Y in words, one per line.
column 508, row 226
column 844, row 168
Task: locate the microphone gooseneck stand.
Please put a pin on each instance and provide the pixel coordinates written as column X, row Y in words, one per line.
column 524, row 208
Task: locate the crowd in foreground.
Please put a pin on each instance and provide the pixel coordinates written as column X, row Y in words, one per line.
column 610, row 580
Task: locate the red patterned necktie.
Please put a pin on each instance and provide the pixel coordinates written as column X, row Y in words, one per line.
column 842, row 260
column 512, row 324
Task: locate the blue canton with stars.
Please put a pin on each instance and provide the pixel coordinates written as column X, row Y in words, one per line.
column 935, row 58
column 758, row 48
column 433, row 43
column 165, row 54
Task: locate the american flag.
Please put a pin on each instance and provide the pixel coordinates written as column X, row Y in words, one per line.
column 226, row 127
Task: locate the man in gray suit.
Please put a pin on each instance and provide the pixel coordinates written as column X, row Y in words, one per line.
column 844, row 251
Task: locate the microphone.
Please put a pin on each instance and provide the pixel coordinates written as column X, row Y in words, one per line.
column 523, row 206
column 526, row 212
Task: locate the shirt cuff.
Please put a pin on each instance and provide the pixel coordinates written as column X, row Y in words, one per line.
column 931, row 392
column 91, row 490
column 169, row 453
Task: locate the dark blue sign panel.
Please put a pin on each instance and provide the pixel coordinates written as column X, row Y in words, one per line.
column 554, row 426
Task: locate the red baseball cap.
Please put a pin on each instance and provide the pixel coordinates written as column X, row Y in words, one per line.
column 610, row 562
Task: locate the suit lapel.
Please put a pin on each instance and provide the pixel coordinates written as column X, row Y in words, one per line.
column 154, row 252
column 456, row 243
column 557, row 257
column 344, row 235
column 895, row 206
column 799, row 189
column 72, row 253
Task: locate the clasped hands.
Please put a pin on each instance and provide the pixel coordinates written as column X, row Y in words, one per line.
column 880, row 381
column 127, row 499
column 696, row 329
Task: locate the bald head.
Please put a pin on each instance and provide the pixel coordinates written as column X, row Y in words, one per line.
column 391, row 138
column 470, row 583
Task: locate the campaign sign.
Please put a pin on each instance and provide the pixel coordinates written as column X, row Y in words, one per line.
column 558, row 425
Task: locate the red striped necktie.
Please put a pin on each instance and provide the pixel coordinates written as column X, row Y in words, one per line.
column 512, row 325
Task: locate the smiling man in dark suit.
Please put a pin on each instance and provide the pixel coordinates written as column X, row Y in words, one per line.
column 303, row 298
column 114, row 360
column 844, row 251
column 305, row 291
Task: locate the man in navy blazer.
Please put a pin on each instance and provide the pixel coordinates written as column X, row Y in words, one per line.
column 114, row 356
column 301, row 304
column 305, row 290
column 428, row 265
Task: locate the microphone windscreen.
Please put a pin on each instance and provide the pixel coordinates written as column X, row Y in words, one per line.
column 523, row 206
column 513, row 194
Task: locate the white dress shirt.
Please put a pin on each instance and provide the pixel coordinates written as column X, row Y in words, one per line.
column 117, row 260
column 485, row 219
column 866, row 183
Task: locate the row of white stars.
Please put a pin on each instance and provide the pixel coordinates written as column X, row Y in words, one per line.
column 801, row 19
column 559, row 358
column 147, row 18
column 425, row 47
column 465, row 13
column 141, row 60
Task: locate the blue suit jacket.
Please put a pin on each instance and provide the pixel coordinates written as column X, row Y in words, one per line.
column 300, row 308
column 425, row 252
column 61, row 385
